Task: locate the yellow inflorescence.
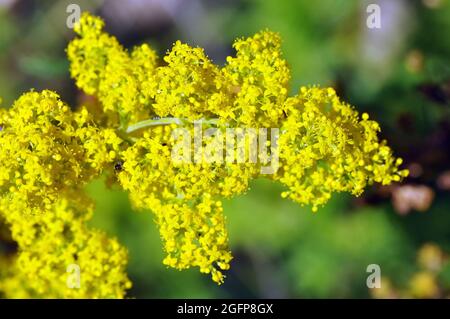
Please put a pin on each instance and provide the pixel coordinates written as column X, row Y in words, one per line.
column 327, row 148
column 259, row 78
column 49, row 243
column 49, row 152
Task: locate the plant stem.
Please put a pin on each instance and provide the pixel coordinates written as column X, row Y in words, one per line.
column 164, row 121
column 152, row 122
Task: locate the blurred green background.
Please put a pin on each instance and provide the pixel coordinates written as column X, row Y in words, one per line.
column 399, row 74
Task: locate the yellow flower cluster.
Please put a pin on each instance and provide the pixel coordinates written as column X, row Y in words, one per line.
column 40, row 155
column 183, row 197
column 50, row 152
column 49, row 243
column 259, row 78
column 247, row 91
column 47, row 150
column 325, row 148
column 102, row 67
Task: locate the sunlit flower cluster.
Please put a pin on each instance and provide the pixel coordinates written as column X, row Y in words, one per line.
column 50, row 152
column 50, row 242
column 327, row 148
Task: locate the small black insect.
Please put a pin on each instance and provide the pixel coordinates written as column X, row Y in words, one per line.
column 118, row 167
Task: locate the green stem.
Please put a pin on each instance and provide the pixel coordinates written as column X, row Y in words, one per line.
column 152, row 122
column 164, row 121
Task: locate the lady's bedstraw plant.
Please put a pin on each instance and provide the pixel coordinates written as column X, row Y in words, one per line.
column 49, row 153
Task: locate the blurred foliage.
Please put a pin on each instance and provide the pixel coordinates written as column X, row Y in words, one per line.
column 400, row 74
